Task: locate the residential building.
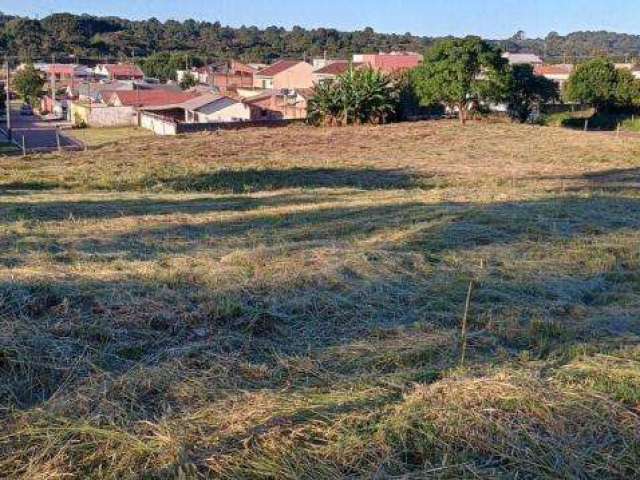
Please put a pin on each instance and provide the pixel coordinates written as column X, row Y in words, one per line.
column 66, row 74
column 147, row 98
column 522, row 58
column 119, row 71
column 283, row 104
column 559, row 73
column 207, row 108
column 233, row 76
column 285, row 74
column 632, row 67
column 390, row 62
column 333, row 69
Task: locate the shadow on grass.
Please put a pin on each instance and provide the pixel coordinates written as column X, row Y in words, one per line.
column 149, row 206
column 109, row 321
column 255, row 180
column 251, row 180
column 428, row 228
column 617, row 180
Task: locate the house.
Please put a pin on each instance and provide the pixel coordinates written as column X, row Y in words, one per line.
column 558, row 73
column 67, row 74
column 233, row 76
column 632, row 67
column 289, row 74
column 119, row 71
column 333, row 69
column 284, row 104
column 147, row 98
column 390, row 62
column 522, row 58
column 207, row 108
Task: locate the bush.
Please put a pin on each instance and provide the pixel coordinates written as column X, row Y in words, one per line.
column 359, row 96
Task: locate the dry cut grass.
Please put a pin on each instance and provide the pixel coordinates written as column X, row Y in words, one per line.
column 286, row 303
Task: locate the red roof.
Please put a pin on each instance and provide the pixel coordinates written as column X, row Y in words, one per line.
column 151, row 98
column 278, row 67
column 338, row 67
column 124, row 70
column 61, row 69
column 562, row 69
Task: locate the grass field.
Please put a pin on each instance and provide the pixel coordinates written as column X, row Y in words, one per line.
column 99, row 137
column 287, row 304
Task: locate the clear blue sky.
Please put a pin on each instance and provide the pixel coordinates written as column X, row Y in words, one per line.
column 489, row 18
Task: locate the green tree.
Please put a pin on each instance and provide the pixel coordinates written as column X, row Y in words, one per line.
column 188, row 81
column 525, row 90
column 627, row 94
column 28, row 84
column 459, row 74
column 25, row 37
column 594, row 82
column 356, row 97
column 164, row 66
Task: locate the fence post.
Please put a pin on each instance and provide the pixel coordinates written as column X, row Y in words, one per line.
column 24, row 147
column 586, row 125
column 58, row 139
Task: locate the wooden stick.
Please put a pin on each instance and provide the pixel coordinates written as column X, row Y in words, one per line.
column 465, row 318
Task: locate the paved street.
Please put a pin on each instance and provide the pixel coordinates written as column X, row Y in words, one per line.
column 39, row 135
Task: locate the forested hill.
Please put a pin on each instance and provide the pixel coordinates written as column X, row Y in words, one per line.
column 98, row 37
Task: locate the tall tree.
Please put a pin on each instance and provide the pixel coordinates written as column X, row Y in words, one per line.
column 28, row 84
column 627, row 90
column 593, row 82
column 460, row 73
column 525, row 90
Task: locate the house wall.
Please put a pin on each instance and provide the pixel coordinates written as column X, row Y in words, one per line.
column 226, row 110
column 298, row 76
column 157, row 124
column 101, row 116
column 276, row 107
column 224, row 81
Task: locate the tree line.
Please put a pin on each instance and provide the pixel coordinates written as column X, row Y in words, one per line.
column 92, row 37
column 466, row 77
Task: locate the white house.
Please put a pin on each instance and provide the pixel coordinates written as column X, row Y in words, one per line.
column 522, row 58
column 206, row 108
column 209, row 108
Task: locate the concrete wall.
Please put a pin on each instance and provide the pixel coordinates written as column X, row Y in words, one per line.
column 102, row 116
column 157, row 124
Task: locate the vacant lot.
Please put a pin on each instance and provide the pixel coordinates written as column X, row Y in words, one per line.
column 287, row 304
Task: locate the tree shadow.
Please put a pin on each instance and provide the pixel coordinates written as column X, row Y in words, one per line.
column 149, row 206
column 252, row 180
column 52, row 325
column 255, row 180
column 616, row 180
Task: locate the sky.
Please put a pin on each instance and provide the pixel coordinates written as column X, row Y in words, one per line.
column 487, row 18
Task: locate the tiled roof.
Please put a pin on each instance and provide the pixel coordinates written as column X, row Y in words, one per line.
column 124, row 70
column 190, row 104
column 148, row 98
column 338, row 67
column 562, row 69
column 278, row 67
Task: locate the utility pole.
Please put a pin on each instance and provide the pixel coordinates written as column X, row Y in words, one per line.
column 8, row 99
column 52, row 72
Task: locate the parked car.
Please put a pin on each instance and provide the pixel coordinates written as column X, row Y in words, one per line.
column 26, row 110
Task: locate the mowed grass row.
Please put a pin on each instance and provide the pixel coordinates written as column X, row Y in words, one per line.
column 287, row 304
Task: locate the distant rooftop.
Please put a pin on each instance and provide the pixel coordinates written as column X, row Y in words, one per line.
column 519, row 58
